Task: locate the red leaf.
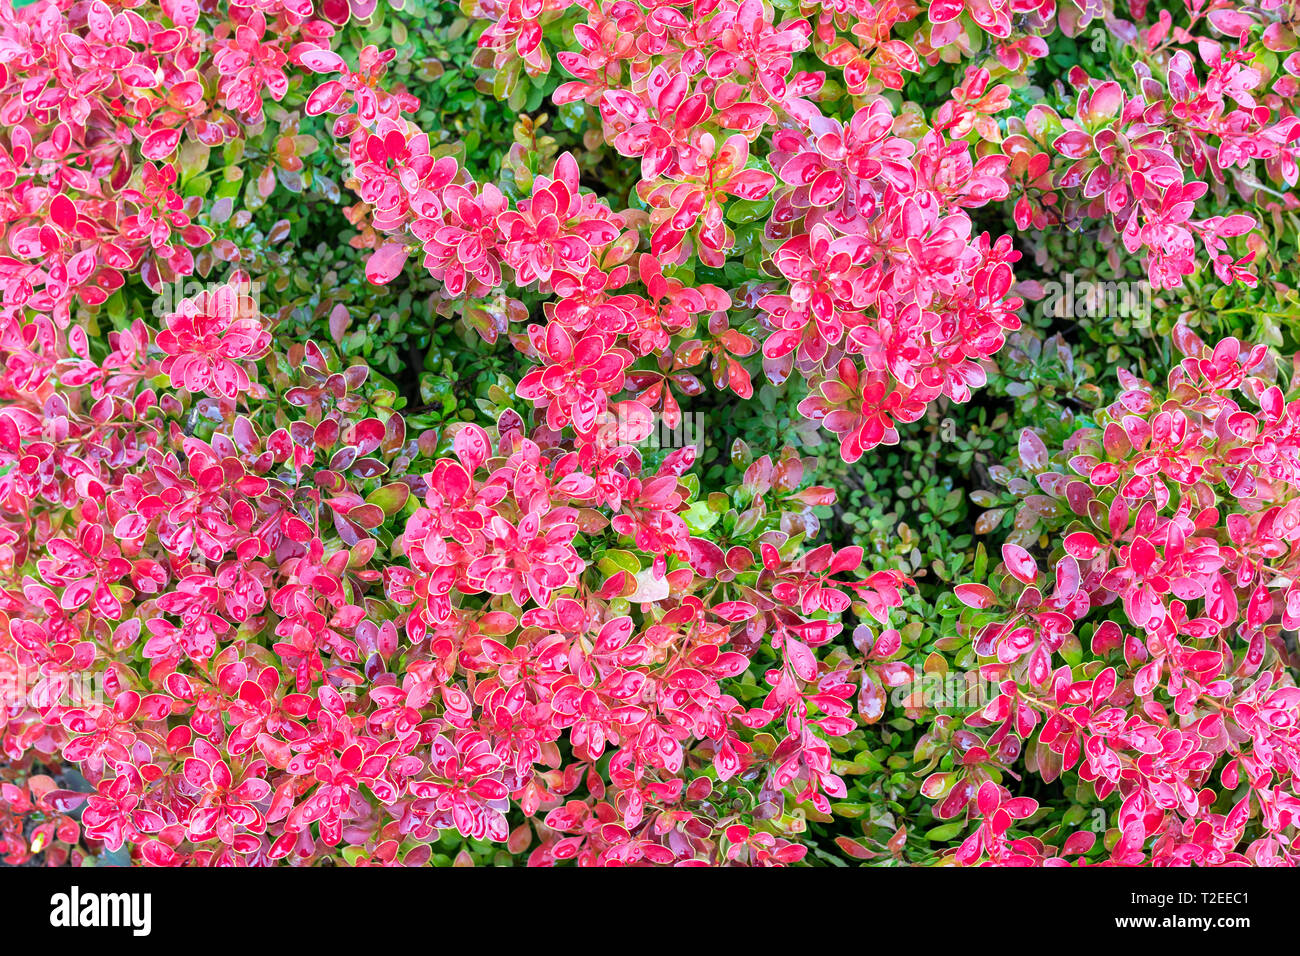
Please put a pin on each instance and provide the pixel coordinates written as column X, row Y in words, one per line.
column 161, row 144
column 386, row 263
column 975, row 595
column 1019, row 563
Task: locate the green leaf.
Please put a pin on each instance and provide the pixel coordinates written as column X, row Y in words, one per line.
column 389, row 498
column 699, row 517
column 615, row 560
column 944, row 833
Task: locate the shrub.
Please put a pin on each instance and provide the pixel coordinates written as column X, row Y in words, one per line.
column 355, row 551
column 1142, row 658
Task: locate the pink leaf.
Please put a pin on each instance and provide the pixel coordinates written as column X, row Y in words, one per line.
column 386, row 263
column 1019, row 563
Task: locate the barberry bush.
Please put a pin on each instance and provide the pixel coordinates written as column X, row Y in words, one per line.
column 349, row 347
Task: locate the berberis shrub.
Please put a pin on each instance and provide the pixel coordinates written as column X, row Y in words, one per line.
column 345, row 513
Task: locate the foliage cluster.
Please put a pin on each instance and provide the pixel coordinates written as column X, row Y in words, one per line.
column 337, row 523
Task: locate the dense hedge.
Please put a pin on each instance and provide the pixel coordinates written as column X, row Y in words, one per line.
column 731, row 432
